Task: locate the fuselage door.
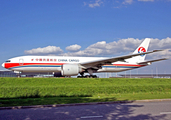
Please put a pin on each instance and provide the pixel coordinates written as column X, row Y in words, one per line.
column 21, row 61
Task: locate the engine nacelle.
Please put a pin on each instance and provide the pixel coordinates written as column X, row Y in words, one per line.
column 70, row 69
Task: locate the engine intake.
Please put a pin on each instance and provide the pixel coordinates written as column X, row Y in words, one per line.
column 70, row 69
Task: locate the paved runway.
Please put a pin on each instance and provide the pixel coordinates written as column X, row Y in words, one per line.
column 130, row 111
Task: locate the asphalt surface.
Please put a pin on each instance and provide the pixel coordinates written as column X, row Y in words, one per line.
column 153, row 110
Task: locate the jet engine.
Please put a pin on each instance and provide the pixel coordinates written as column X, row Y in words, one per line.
column 70, row 69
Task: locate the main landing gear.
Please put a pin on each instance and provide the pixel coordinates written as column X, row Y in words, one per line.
column 87, row 76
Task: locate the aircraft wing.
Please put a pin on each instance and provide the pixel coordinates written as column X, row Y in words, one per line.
column 98, row 63
column 150, row 61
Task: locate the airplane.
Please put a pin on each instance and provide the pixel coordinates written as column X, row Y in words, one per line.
column 72, row 66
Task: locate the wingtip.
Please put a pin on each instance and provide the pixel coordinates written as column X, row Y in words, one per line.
column 166, row 58
column 157, row 50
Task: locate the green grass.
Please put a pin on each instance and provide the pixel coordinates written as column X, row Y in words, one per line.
column 41, row 91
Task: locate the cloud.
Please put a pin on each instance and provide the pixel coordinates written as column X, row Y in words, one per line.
column 163, row 44
column 102, row 48
column 73, row 48
column 146, row 0
column 124, row 46
column 127, row 2
column 44, row 51
column 97, row 3
column 116, row 3
column 111, row 49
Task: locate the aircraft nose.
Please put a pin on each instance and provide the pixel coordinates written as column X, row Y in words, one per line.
column 3, row 65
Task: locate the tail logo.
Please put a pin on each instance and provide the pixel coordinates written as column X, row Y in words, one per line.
column 141, row 50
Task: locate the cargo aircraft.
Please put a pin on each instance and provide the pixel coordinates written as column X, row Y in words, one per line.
column 72, row 66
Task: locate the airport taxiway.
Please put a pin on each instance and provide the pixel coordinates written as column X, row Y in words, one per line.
column 150, row 110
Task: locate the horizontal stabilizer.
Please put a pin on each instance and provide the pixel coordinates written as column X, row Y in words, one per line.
column 150, row 61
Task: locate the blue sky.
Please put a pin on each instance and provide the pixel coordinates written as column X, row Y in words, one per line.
column 71, row 27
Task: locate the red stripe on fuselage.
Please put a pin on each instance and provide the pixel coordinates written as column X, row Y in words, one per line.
column 10, row 65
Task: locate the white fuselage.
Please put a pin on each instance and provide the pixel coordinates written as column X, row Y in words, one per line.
column 40, row 64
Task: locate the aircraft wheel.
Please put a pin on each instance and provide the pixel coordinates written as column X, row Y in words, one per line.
column 87, row 76
column 94, row 76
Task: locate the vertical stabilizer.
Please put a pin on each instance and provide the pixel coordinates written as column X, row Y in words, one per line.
column 142, row 48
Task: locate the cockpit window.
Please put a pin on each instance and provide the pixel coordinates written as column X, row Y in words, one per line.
column 8, row 61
